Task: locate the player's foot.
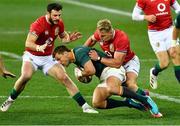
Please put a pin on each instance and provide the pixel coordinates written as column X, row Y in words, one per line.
column 153, row 108
column 88, row 109
column 5, row 106
column 153, row 79
column 133, row 104
column 159, row 115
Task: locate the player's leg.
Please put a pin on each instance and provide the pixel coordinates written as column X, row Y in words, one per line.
column 157, row 41
column 58, row 72
column 114, row 87
column 132, row 70
column 26, row 74
column 175, row 55
column 101, row 100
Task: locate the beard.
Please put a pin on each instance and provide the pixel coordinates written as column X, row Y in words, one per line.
column 53, row 22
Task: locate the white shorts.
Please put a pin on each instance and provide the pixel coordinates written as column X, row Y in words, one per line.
column 43, row 63
column 133, row 65
column 161, row 40
column 108, row 71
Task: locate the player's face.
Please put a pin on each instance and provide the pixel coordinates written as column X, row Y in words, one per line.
column 62, row 59
column 105, row 36
column 54, row 16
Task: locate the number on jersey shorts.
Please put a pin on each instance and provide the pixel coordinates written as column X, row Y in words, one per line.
column 133, row 65
column 43, row 63
column 161, row 40
column 109, row 71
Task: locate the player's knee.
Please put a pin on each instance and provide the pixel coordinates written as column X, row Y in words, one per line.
column 131, row 84
column 97, row 104
column 164, row 64
column 62, row 78
column 26, row 76
column 173, row 53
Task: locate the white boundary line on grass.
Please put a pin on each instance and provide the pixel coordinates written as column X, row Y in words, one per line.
column 159, row 96
column 95, row 7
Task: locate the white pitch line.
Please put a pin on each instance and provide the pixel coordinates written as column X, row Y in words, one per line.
column 99, row 8
column 12, row 55
column 159, row 96
column 164, row 97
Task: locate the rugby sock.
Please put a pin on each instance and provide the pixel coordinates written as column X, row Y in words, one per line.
column 14, row 94
column 112, row 103
column 79, row 99
column 140, row 91
column 157, row 69
column 177, row 72
column 130, row 94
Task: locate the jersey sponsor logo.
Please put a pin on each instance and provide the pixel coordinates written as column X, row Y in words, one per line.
column 161, row 7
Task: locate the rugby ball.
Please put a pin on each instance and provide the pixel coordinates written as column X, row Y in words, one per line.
column 83, row 79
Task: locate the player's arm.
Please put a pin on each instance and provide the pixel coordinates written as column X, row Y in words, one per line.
column 176, row 7
column 138, row 16
column 116, row 61
column 30, row 43
column 89, row 69
column 70, row 36
column 91, row 41
column 3, row 72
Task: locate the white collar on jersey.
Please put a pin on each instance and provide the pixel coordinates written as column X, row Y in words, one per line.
column 113, row 33
column 47, row 19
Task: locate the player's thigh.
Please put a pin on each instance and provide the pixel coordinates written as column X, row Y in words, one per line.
column 27, row 69
column 100, row 95
column 57, row 71
column 114, row 85
column 157, row 41
column 132, row 66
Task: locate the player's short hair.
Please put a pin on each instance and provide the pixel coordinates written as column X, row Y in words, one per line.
column 60, row 50
column 104, row 25
column 54, row 6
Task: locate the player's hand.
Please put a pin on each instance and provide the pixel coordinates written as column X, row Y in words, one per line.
column 6, row 74
column 93, row 55
column 150, row 18
column 74, row 36
column 77, row 72
column 41, row 48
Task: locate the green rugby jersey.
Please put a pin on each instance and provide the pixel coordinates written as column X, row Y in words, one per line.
column 82, row 56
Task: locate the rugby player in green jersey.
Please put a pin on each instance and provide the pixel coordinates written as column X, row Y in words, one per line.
column 111, row 80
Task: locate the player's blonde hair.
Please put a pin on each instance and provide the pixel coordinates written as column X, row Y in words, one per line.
column 104, row 25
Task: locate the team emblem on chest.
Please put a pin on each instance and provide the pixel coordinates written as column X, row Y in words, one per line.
column 111, row 47
column 56, row 31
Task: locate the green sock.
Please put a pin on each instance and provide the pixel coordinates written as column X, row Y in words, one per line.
column 14, row 94
column 140, row 91
column 157, row 69
column 79, row 99
column 177, row 72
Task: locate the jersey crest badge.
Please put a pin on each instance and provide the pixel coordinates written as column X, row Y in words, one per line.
column 56, row 31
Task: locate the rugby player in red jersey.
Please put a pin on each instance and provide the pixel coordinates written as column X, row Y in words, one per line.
column 158, row 15
column 38, row 55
